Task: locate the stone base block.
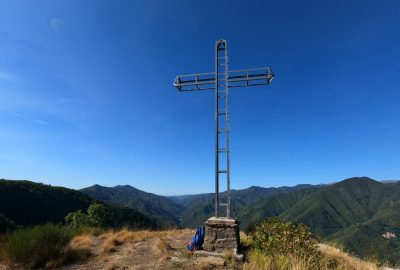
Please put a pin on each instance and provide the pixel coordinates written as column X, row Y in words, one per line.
column 221, row 234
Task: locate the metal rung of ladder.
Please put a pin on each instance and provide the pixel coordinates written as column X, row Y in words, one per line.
column 222, row 150
column 223, row 171
column 222, row 130
column 223, row 204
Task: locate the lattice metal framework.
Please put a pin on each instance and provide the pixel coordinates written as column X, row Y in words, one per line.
column 221, row 81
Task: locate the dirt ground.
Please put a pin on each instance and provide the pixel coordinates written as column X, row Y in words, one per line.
column 135, row 250
column 142, row 250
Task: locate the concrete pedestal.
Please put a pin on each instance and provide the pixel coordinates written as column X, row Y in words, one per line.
column 221, row 234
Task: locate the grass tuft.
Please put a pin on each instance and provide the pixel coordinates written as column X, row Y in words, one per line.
column 44, row 246
column 38, row 245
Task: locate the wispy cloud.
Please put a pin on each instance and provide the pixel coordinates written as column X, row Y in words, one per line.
column 30, row 119
column 9, row 77
column 55, row 24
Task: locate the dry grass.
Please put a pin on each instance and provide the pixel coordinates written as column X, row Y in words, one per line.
column 113, row 239
column 81, row 241
column 230, row 260
column 112, row 267
column 341, row 258
column 126, row 235
column 161, row 249
column 333, row 258
column 110, row 243
column 122, row 248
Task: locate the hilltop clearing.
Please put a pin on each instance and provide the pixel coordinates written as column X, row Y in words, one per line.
column 148, row 250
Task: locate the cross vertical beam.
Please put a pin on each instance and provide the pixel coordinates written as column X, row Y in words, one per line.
column 221, row 81
column 222, row 159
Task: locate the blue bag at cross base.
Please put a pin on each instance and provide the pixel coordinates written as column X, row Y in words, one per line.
column 197, row 240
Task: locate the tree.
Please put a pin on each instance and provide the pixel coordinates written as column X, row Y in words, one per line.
column 78, row 219
column 97, row 214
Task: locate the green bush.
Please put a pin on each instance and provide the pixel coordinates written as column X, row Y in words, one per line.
column 107, row 216
column 276, row 237
column 97, row 214
column 95, row 217
column 78, row 219
column 38, row 245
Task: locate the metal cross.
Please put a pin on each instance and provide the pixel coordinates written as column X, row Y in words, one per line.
column 222, row 80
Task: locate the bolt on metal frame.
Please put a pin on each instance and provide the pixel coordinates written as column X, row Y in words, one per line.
column 221, row 81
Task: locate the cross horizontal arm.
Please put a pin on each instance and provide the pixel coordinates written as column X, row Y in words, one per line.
column 236, row 78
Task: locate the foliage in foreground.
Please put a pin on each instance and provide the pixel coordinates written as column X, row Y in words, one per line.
column 278, row 245
column 274, row 236
column 48, row 244
column 39, row 245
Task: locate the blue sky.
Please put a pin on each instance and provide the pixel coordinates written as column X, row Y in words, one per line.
column 86, row 92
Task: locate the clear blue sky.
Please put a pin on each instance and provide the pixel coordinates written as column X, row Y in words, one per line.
column 86, row 92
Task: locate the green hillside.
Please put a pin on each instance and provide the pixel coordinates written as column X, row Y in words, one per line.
column 272, row 206
column 159, row 207
column 341, row 205
column 25, row 203
column 200, row 207
column 355, row 212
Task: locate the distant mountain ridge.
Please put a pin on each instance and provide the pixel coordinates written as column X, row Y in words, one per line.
column 200, row 207
column 159, row 207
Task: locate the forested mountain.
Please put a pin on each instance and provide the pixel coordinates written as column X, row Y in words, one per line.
column 198, row 208
column 356, row 212
column 25, row 203
column 159, row 207
column 185, row 210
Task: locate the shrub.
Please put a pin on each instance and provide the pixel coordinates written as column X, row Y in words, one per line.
column 275, row 244
column 78, row 219
column 38, row 245
column 95, row 217
column 274, row 236
column 97, row 214
column 107, row 216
